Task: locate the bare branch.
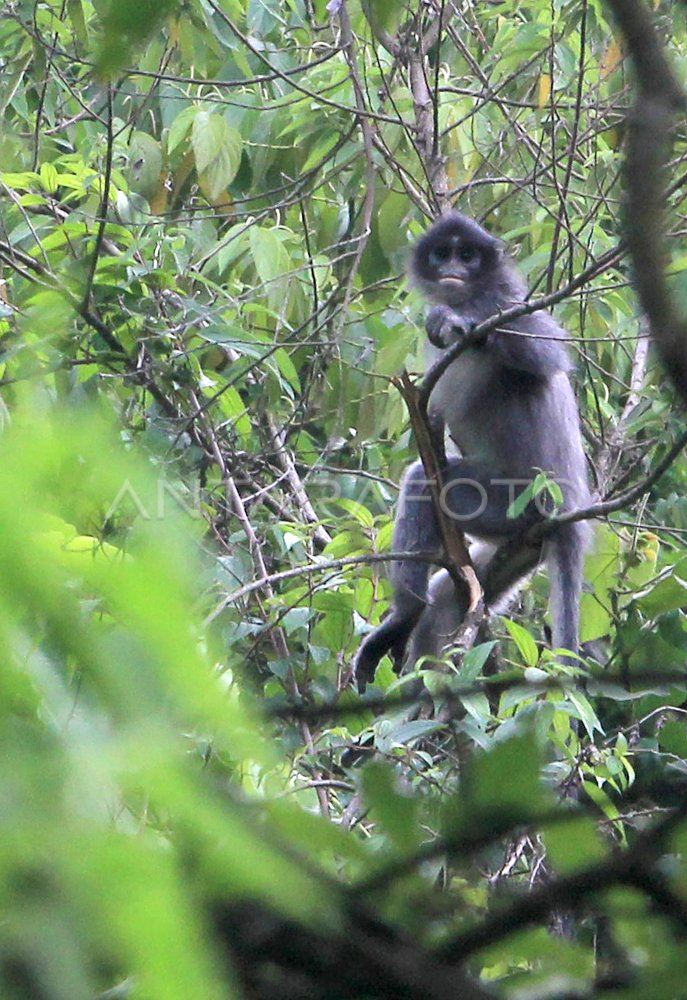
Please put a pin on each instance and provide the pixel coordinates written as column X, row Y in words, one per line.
column 433, row 460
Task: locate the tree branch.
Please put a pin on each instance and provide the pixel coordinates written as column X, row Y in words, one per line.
column 648, row 149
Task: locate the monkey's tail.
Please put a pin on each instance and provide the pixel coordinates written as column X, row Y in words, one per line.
column 565, row 557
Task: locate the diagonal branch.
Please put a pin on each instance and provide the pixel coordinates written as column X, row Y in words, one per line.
column 433, row 460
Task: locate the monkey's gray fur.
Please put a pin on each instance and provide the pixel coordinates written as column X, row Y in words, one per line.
column 510, row 412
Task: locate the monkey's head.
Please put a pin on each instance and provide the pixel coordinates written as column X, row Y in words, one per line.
column 455, row 260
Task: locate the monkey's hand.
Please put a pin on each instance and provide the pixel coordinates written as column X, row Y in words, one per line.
column 445, row 327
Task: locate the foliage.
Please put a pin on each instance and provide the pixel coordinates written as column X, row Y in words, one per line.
column 206, row 208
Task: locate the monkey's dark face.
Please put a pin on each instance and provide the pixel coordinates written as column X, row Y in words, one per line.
column 454, row 263
column 454, row 259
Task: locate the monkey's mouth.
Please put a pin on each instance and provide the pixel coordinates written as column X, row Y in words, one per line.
column 452, row 280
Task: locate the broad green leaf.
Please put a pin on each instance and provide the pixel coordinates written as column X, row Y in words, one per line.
column 601, row 799
column 346, row 543
column 287, row 368
column 475, row 659
column 672, row 737
column 361, row 514
column 217, row 150
column 527, row 647
column 320, row 151
column 397, row 813
column 145, row 164
column 76, row 15
column 505, row 780
column 602, row 566
column 49, row 177
column 271, row 259
column 127, row 24
column 669, row 594
column 181, row 126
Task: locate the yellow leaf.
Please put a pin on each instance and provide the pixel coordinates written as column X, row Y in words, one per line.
column 612, row 58
column 160, row 197
column 544, row 90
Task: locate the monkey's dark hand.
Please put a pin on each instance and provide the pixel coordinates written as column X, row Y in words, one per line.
column 389, row 637
column 445, row 327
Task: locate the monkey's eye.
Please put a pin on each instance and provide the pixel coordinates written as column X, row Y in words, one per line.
column 467, row 253
column 442, row 252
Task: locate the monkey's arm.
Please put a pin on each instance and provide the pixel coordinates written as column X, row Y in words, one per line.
column 530, row 344
column 389, row 637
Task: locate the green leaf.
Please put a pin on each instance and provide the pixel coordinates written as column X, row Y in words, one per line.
column 126, row 24
column 271, row 260
column 181, row 126
column 602, row 566
column 217, row 149
column 505, row 781
column 669, row 594
column 601, row 799
column 21, row 182
column 381, row 15
column 346, row 543
column 76, row 16
column 672, row 737
column 287, row 368
column 574, row 844
column 319, row 153
column 397, row 814
column 585, row 711
column 145, row 164
column 49, row 177
column 357, row 510
column 385, row 537
column 527, row 647
column 475, row 659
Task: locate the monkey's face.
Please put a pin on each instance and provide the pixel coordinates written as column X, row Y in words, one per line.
column 454, row 259
column 453, row 265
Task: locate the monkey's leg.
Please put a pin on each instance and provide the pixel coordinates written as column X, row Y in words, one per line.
column 478, row 507
column 415, row 530
column 443, row 613
column 445, row 608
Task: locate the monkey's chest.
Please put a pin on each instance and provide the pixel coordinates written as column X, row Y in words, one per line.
column 461, row 399
column 489, row 413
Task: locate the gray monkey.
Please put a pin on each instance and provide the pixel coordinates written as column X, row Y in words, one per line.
column 510, row 413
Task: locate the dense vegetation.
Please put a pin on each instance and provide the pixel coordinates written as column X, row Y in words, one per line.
column 205, row 211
